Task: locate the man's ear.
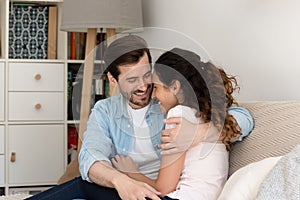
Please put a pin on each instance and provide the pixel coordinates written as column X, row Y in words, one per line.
column 175, row 86
column 111, row 79
column 113, row 85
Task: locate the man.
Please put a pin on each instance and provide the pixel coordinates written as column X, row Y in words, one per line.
column 128, row 124
column 114, row 122
column 113, row 127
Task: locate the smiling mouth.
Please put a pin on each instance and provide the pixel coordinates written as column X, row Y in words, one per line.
column 141, row 94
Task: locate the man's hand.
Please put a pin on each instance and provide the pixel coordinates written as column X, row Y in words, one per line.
column 126, row 187
column 125, row 164
column 129, row 189
column 184, row 135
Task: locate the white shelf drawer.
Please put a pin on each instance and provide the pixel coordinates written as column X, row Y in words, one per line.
column 39, row 153
column 1, row 140
column 36, row 77
column 1, row 91
column 35, row 106
column 2, row 169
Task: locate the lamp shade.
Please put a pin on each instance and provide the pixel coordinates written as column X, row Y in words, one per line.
column 79, row 15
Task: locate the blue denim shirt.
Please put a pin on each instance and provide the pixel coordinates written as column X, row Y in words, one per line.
column 244, row 120
column 110, row 130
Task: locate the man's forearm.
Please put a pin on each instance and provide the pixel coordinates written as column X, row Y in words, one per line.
column 102, row 173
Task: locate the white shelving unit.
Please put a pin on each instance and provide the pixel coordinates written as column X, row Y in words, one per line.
column 33, row 112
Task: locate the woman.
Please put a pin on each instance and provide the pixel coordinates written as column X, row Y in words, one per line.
column 200, row 92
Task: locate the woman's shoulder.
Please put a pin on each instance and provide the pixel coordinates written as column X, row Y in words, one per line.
column 184, row 111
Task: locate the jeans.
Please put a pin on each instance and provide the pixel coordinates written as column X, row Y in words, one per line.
column 79, row 189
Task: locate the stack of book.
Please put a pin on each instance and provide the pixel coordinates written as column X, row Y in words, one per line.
column 32, row 31
column 76, row 45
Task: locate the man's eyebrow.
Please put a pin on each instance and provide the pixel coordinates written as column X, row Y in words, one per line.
column 149, row 72
column 135, row 77
column 132, row 77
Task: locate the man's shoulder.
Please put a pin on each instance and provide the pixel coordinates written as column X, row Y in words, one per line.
column 109, row 100
column 108, row 103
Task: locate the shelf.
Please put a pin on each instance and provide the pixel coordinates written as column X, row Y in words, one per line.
column 36, row 61
column 66, row 125
column 82, row 61
column 73, row 121
column 38, row 1
column 34, row 137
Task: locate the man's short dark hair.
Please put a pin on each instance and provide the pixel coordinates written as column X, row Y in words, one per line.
column 125, row 50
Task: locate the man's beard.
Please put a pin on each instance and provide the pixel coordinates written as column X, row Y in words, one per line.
column 144, row 101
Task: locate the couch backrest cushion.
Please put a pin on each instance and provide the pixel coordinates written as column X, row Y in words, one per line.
column 276, row 131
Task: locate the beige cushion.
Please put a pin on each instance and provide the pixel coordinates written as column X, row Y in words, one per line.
column 276, row 131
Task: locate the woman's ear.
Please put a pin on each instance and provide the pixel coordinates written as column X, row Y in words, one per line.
column 175, row 86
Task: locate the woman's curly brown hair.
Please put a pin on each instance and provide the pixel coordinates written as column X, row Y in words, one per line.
column 206, row 88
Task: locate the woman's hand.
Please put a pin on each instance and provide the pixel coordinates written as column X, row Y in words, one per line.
column 183, row 136
column 125, row 164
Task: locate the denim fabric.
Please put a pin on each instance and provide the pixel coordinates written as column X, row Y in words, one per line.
column 70, row 190
column 78, row 189
column 244, row 120
column 110, row 131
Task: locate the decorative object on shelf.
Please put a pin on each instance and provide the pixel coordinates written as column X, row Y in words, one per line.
column 90, row 16
column 72, row 142
column 29, row 37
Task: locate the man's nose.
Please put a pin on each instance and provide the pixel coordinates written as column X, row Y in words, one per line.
column 143, row 83
column 143, row 87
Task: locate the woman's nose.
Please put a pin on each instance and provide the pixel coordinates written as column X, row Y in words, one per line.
column 153, row 95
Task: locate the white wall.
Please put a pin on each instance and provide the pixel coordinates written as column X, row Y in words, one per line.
column 256, row 40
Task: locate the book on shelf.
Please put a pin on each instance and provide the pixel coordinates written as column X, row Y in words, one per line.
column 76, row 45
column 100, row 88
column 32, row 31
column 72, row 43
